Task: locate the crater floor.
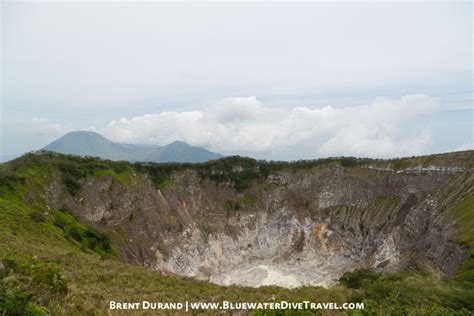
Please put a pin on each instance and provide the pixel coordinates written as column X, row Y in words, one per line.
column 288, row 276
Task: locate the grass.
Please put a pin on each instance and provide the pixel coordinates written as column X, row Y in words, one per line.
column 402, row 163
column 380, row 201
column 245, row 200
column 92, row 280
column 24, row 286
column 87, row 238
column 84, row 283
column 463, row 159
column 122, row 177
column 166, row 183
column 463, row 212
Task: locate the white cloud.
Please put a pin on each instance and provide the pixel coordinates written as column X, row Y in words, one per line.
column 245, row 125
column 88, row 67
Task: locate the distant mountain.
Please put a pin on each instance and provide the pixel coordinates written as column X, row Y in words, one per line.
column 84, row 143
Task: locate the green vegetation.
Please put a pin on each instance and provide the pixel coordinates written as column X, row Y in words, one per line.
column 355, row 279
column 166, row 183
column 349, row 162
column 245, row 200
column 241, row 171
column 25, row 284
column 160, row 174
column 231, row 205
column 384, row 201
column 72, row 185
column 402, row 163
column 37, row 217
column 248, row 199
column 409, row 291
column 87, row 238
column 75, row 281
column 50, row 264
column 8, row 180
column 463, row 212
column 73, row 169
column 455, row 159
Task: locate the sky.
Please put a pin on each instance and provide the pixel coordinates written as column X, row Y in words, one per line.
column 267, row 80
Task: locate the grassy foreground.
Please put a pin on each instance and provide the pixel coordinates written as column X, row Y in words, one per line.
column 52, row 265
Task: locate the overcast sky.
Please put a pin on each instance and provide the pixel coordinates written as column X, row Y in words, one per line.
column 267, row 80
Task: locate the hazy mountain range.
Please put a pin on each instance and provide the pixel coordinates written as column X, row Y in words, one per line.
column 83, row 143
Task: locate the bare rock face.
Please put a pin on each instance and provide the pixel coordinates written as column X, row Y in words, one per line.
column 294, row 228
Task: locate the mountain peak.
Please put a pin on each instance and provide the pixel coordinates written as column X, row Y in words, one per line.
column 83, row 133
column 178, row 143
column 87, row 143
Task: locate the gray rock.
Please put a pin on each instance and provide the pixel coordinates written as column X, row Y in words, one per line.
column 307, row 228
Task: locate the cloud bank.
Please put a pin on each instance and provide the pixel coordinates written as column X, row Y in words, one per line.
column 244, row 125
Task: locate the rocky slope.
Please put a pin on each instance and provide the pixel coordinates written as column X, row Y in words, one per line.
column 239, row 221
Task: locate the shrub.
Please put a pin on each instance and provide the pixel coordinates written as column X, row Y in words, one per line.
column 35, row 310
column 89, row 238
column 348, row 162
column 49, row 274
column 65, row 209
column 60, row 223
column 166, row 183
column 74, row 233
column 358, row 277
column 34, row 282
column 248, row 198
column 96, row 239
column 120, row 166
column 231, row 205
column 37, row 217
column 72, row 185
column 13, row 301
column 8, row 180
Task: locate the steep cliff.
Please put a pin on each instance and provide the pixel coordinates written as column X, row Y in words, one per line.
column 240, row 221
